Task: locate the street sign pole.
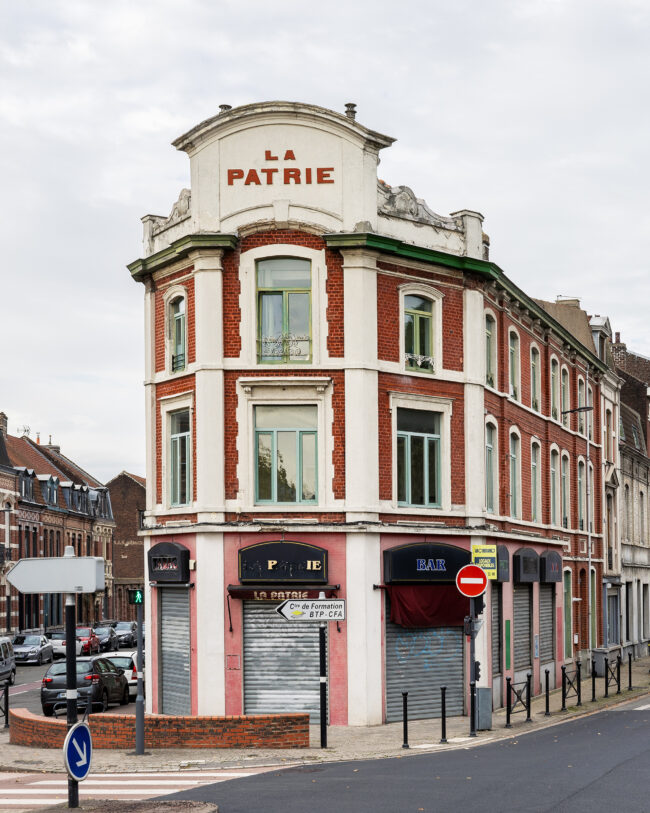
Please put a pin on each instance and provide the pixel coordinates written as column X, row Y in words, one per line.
column 323, row 686
column 472, row 668
column 139, row 701
column 71, row 679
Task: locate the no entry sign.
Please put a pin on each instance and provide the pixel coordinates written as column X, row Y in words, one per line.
column 471, row 581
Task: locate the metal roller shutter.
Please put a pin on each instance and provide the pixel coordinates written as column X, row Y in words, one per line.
column 175, row 651
column 281, row 663
column 522, row 624
column 546, row 625
column 420, row 661
column 496, row 629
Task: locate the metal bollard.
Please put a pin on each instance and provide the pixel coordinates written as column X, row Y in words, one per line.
column 529, row 679
column 563, row 689
column 443, row 713
column 472, row 709
column 405, row 719
column 579, row 682
column 547, row 713
column 508, row 703
column 6, row 704
column 618, row 674
column 606, row 677
column 629, row 671
column 593, row 680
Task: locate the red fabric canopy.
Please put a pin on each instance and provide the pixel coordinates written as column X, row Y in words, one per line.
column 427, row 605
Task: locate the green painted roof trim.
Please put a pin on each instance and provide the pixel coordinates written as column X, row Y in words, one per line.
column 485, row 268
column 177, row 250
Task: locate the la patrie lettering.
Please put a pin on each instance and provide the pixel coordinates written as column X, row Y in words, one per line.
column 431, row 564
column 268, row 176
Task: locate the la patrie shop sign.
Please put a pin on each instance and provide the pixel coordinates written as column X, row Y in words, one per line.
column 282, row 169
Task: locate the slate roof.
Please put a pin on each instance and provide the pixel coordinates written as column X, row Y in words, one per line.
column 24, row 453
column 631, row 434
column 71, row 470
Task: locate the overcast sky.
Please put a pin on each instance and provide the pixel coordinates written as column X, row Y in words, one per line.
column 535, row 113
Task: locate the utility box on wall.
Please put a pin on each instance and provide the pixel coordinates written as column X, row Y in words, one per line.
column 484, row 708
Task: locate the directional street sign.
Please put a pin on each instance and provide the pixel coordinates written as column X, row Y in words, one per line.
column 485, row 556
column 58, row 574
column 471, row 581
column 78, row 751
column 318, row 609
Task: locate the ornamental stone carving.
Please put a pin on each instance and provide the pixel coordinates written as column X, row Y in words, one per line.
column 400, row 201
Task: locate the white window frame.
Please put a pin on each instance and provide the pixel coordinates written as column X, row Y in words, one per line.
column 536, row 481
column 565, row 493
column 444, row 406
column 567, row 621
column 249, row 311
column 167, row 405
column 514, row 372
column 582, row 402
column 170, row 295
column 565, row 376
column 536, row 376
column 491, row 421
column 494, row 356
column 274, row 391
column 554, row 389
column 435, row 297
column 581, row 485
column 516, row 503
column 554, row 493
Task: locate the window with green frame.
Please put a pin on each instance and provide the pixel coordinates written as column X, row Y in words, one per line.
column 283, row 310
column 554, row 481
column 179, row 454
column 177, row 324
column 490, row 350
column 514, row 475
column 286, row 469
column 418, row 458
column 418, row 333
column 489, row 467
column 568, row 616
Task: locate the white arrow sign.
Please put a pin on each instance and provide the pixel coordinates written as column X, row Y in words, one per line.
column 318, row 609
column 58, row 574
column 83, row 754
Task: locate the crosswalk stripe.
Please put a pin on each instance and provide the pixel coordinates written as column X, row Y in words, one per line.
column 642, row 708
column 176, row 774
column 87, row 783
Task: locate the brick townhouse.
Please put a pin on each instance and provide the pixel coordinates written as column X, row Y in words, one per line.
column 344, row 394
column 127, row 493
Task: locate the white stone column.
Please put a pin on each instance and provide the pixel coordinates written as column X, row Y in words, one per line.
column 474, row 369
column 150, row 394
column 210, row 620
column 361, row 421
column 363, row 609
column 208, row 307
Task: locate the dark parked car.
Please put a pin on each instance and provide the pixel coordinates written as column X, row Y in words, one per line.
column 99, row 682
column 127, row 633
column 108, row 640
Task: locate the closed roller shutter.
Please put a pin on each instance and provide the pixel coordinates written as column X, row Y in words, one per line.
column 281, row 663
column 496, row 629
column 420, row 661
column 521, row 600
column 546, row 626
column 175, row 651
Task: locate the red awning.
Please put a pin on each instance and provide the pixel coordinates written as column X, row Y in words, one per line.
column 275, row 592
column 427, row 605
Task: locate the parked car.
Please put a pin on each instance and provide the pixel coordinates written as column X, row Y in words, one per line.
column 57, row 639
column 127, row 633
column 7, row 662
column 108, row 640
column 89, row 641
column 129, row 662
column 99, row 683
column 32, row 646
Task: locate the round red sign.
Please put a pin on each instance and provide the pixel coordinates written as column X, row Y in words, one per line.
column 471, row 581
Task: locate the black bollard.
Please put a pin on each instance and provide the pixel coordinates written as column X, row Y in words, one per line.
column 405, row 719
column 606, row 677
column 563, row 689
column 579, row 682
column 443, row 713
column 629, row 671
column 6, row 704
column 593, row 680
column 472, row 709
column 547, row 713
column 618, row 674
column 529, row 679
column 508, row 703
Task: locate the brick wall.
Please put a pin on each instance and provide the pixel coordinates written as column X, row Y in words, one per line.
column 127, row 497
column 117, row 731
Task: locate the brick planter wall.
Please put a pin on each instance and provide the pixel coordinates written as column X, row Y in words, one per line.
column 166, row 731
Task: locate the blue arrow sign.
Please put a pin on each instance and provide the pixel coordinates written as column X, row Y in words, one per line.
column 77, row 751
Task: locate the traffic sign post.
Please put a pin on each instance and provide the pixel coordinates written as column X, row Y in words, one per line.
column 137, row 597
column 471, row 582
column 77, row 752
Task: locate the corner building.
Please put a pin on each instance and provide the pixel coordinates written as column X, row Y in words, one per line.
column 344, row 394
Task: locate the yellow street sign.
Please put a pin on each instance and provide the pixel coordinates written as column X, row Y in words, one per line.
column 485, row 556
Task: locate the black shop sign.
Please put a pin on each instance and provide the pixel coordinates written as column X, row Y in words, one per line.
column 423, row 563
column 169, row 562
column 550, row 567
column 283, row 562
column 525, row 564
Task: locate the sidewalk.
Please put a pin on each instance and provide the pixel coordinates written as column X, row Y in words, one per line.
column 344, row 742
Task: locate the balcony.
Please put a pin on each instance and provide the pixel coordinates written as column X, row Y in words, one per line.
column 284, row 349
column 178, row 362
column 413, row 361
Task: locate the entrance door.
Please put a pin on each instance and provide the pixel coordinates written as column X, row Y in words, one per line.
column 174, row 657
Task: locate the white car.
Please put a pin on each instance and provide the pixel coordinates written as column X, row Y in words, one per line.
column 128, row 661
column 57, row 639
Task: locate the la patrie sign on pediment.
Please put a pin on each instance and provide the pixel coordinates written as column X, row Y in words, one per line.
column 280, row 174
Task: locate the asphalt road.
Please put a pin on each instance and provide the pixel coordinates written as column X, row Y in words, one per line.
column 26, row 692
column 595, row 763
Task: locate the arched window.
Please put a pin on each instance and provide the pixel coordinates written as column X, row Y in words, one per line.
column 418, row 333
column 642, row 517
column 555, row 389
column 534, row 379
column 515, row 489
column 535, row 479
column 581, row 495
column 568, row 616
column 177, row 333
column 283, row 310
column 581, row 404
column 555, row 458
column 566, row 399
column 490, row 467
column 513, row 359
column 628, row 513
column 490, row 350
column 565, row 491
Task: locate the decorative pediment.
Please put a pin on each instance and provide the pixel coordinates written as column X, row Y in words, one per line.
column 611, row 477
column 400, row 201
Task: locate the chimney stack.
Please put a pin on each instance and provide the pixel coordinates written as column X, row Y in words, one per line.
column 3, row 424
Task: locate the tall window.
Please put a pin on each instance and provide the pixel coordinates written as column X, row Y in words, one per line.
column 286, row 454
column 418, row 458
column 581, row 495
column 642, row 518
column 589, row 414
column 554, row 389
column 554, row 482
column 628, row 513
column 534, row 379
column 581, row 403
column 180, row 458
column 177, row 325
column 513, row 356
column 566, row 400
column 284, row 310
column 418, row 333
column 608, row 435
column 534, row 482
column 490, row 350
column 514, row 475
column 489, row 467
column 564, row 492
column 568, row 616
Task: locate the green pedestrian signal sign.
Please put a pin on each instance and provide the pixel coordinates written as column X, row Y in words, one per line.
column 136, row 596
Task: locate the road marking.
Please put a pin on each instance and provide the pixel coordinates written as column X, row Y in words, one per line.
column 642, row 708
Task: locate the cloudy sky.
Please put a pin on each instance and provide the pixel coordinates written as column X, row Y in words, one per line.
column 534, row 112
